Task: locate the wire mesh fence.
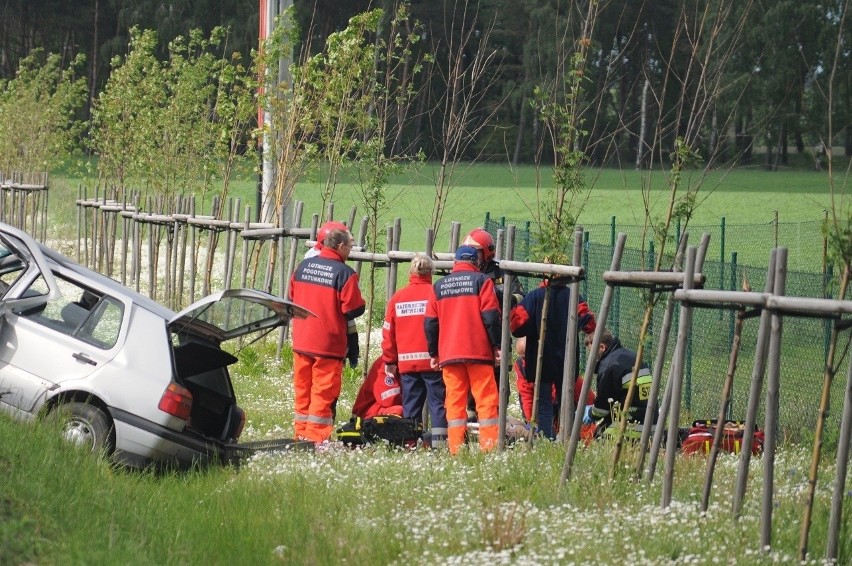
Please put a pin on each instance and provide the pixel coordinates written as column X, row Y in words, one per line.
column 190, row 245
column 805, row 340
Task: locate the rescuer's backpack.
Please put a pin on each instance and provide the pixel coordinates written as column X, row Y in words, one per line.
column 699, row 438
column 392, row 429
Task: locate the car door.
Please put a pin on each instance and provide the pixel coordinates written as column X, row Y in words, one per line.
column 26, row 286
column 68, row 339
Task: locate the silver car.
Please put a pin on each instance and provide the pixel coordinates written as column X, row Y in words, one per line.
column 127, row 376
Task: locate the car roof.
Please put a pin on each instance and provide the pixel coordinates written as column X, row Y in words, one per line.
column 114, row 286
column 271, row 311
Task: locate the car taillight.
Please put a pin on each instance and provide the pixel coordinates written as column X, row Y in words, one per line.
column 176, row 401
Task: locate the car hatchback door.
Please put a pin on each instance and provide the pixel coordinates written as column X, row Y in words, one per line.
column 236, row 312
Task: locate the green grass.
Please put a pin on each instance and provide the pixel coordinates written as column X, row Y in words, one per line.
column 58, row 506
column 749, row 199
column 742, row 196
column 380, row 506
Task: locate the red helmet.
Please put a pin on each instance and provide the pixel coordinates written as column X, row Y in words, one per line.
column 479, row 238
column 328, row 227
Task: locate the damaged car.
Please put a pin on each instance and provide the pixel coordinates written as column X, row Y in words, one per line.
column 126, row 376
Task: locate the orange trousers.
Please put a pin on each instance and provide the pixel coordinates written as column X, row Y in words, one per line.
column 316, row 381
column 478, row 379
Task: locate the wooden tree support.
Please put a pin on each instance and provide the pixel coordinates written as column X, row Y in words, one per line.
column 773, row 306
column 24, row 202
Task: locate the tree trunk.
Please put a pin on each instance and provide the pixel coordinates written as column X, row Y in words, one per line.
column 643, row 125
column 714, row 136
column 522, row 126
column 848, row 141
column 767, row 158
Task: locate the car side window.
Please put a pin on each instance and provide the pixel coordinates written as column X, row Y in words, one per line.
column 101, row 328
column 80, row 312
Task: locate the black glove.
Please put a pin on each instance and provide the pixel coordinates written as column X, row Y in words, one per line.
column 352, row 349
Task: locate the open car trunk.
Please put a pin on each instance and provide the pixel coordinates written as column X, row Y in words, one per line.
column 202, row 367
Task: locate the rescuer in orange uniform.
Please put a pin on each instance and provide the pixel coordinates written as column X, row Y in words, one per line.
column 380, row 394
column 322, row 232
column 353, row 348
column 481, row 240
column 404, row 350
column 463, row 330
column 327, row 287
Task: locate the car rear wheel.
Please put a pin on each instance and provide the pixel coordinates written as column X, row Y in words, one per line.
column 87, row 426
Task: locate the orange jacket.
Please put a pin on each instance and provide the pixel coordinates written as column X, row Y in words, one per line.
column 380, row 394
column 327, row 287
column 463, row 318
column 403, row 337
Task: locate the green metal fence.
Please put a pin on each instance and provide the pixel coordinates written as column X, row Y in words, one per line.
column 708, row 349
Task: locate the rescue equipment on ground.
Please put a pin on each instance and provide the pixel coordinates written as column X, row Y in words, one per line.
column 699, row 438
column 392, row 429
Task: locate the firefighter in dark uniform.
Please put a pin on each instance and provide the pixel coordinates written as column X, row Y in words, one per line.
column 481, row 240
column 614, row 372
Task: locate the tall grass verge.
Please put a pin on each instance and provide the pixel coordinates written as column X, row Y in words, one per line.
column 383, row 506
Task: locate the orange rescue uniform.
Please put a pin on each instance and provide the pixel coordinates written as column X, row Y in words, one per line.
column 463, row 331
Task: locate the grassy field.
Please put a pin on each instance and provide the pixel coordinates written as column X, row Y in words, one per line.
column 381, row 506
column 742, row 196
column 750, row 200
column 385, row 506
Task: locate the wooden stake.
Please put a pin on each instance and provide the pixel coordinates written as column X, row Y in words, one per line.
column 684, row 328
column 839, row 494
column 828, row 378
column 659, row 362
column 603, row 313
column 569, row 368
column 771, row 421
column 539, row 356
column 754, row 391
column 724, row 401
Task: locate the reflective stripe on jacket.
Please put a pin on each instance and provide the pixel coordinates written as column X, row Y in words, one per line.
column 615, row 370
column 403, row 337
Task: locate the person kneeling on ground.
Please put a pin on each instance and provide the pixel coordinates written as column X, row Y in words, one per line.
column 380, row 394
column 614, row 371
